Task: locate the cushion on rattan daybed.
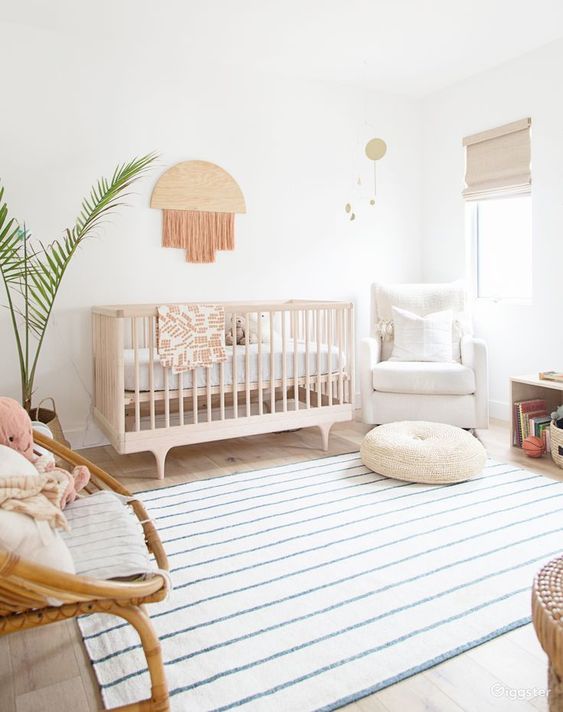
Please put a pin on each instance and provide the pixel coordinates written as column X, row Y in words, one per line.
column 106, row 540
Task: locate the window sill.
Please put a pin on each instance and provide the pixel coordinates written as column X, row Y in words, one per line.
column 509, row 301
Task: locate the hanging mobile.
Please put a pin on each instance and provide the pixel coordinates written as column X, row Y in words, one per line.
column 375, row 149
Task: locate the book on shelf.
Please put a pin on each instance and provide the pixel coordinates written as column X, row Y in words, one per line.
column 538, row 423
column 544, row 433
column 539, row 426
column 551, row 376
column 530, row 420
column 523, row 411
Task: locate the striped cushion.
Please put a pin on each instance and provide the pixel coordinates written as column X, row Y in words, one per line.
column 106, row 540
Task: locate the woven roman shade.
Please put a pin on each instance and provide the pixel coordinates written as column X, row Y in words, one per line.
column 497, row 162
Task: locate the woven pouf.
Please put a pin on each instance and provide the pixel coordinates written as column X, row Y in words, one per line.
column 418, row 451
column 547, row 614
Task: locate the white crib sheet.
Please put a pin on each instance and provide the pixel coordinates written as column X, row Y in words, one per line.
column 158, row 371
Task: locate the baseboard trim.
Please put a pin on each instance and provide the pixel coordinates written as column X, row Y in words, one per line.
column 84, row 437
column 500, row 410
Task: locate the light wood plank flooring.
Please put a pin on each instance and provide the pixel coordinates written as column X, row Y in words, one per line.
column 46, row 670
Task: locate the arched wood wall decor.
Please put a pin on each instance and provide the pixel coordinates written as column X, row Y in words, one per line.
column 199, row 200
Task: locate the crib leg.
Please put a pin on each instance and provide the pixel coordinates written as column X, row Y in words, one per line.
column 325, row 432
column 160, row 456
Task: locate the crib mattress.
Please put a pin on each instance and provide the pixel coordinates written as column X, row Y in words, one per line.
column 201, row 373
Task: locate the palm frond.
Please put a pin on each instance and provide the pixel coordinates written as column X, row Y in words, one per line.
column 47, row 266
column 10, row 244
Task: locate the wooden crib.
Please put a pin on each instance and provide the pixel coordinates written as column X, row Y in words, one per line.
column 300, row 373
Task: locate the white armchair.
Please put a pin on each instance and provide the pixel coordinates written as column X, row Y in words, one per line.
column 454, row 392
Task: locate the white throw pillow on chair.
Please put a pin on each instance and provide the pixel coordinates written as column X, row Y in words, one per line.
column 422, row 338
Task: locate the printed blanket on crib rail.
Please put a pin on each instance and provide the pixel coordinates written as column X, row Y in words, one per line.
column 190, row 335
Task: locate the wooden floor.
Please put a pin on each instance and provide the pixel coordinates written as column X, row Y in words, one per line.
column 46, row 670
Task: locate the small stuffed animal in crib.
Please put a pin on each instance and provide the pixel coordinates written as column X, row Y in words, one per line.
column 243, row 333
column 16, row 432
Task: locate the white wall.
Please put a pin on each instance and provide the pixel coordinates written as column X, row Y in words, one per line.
column 81, row 102
column 521, row 338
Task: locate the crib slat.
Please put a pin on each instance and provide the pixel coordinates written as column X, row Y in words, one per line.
column 307, row 377
column 295, row 359
column 195, row 402
column 284, row 363
column 329, row 344
column 150, row 327
column 259, row 337
column 347, row 352
column 181, row 397
column 135, row 344
column 208, row 382
column 118, row 376
column 113, row 342
column 166, row 398
column 319, row 382
column 222, row 390
column 247, row 365
column 235, row 375
column 340, row 379
column 100, row 362
column 272, row 364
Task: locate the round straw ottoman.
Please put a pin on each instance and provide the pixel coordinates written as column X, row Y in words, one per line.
column 547, row 614
column 419, row 451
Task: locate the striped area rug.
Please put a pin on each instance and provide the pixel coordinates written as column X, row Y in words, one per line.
column 308, row 586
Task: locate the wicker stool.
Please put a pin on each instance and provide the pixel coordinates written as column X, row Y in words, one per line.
column 418, row 451
column 547, row 613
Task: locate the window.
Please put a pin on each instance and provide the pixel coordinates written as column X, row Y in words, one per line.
column 502, row 240
column 498, row 186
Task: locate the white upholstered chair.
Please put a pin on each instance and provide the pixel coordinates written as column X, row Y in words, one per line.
column 453, row 392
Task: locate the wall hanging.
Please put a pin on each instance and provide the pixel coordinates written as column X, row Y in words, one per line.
column 199, row 201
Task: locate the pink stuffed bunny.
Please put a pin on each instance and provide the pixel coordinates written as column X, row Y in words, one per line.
column 16, row 432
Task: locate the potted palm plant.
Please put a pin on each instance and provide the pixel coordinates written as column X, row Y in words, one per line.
column 32, row 272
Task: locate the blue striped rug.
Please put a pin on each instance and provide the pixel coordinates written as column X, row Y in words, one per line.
column 308, row 586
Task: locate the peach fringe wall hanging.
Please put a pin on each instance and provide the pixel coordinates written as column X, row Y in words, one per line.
column 199, row 201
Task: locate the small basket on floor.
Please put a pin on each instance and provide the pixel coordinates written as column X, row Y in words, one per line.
column 556, row 435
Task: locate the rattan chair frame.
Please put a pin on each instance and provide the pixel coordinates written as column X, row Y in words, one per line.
column 26, row 588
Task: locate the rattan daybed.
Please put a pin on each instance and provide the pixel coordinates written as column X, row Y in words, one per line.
column 25, row 588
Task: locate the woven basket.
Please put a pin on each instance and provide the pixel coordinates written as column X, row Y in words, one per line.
column 49, row 417
column 556, row 435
